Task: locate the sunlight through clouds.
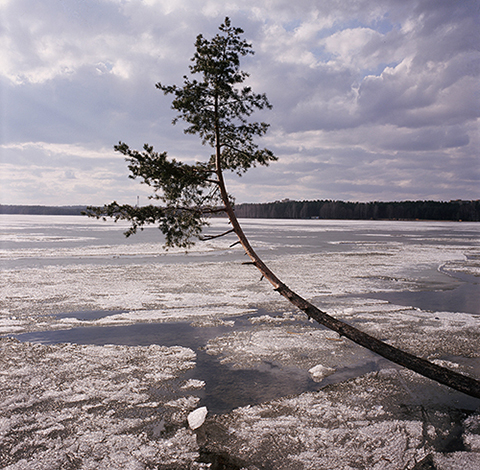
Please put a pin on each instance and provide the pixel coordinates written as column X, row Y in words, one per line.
column 347, row 79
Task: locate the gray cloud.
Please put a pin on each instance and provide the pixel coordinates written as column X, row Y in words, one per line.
column 372, row 99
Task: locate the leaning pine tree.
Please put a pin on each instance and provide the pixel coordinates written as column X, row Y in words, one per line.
column 216, row 107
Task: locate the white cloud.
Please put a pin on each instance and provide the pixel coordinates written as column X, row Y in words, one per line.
column 363, row 91
column 68, row 150
column 348, row 45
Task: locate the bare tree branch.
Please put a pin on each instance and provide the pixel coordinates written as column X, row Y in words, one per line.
column 211, row 237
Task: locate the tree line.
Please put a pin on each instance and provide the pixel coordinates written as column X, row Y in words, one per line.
column 468, row 211
column 328, row 209
column 42, row 210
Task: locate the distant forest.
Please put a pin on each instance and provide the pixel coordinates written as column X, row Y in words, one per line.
column 406, row 210
column 326, row 209
column 42, row 210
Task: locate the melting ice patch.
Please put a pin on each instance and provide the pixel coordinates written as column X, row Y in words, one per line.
column 319, row 372
column 11, row 325
column 386, row 420
column 367, row 270
column 152, row 291
column 299, row 346
column 102, row 251
column 470, row 265
column 97, row 406
column 116, row 411
column 199, row 316
column 183, row 286
column 39, row 237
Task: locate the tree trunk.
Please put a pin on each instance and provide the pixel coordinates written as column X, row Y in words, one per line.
column 423, row 367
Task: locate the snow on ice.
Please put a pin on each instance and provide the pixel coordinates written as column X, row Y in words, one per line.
column 114, row 406
column 93, row 406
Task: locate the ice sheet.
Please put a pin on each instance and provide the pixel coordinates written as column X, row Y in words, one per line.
column 126, row 406
column 216, row 280
column 94, row 407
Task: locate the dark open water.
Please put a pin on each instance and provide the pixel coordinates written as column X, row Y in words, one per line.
column 36, row 241
column 227, row 388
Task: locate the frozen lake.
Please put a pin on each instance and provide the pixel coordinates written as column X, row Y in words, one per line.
column 73, row 279
column 68, row 279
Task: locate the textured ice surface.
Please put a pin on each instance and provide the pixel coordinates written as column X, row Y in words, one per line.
column 70, row 406
column 427, row 334
column 136, row 275
column 305, row 345
column 93, row 406
column 301, row 346
column 386, row 420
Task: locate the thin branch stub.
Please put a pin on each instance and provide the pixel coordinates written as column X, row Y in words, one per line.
column 211, row 237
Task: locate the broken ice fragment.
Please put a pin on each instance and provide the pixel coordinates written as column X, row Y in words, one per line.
column 319, row 372
column 193, row 383
column 197, row 417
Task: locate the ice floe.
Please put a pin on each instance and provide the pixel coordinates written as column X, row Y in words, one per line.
column 197, row 417
column 95, row 406
column 319, row 372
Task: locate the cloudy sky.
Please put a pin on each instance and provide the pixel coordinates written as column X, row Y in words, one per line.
column 372, row 99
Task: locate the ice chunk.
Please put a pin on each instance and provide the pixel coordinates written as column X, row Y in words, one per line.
column 197, row 417
column 319, row 372
column 193, row 383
